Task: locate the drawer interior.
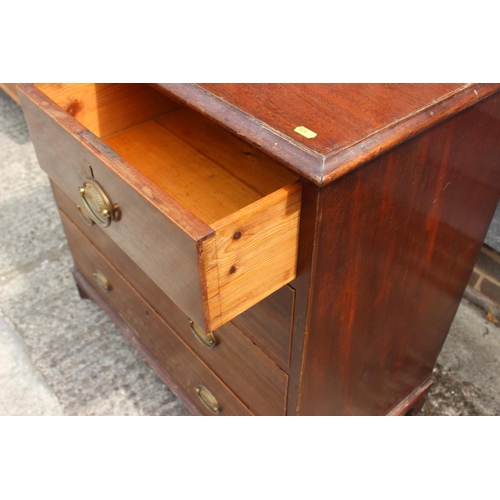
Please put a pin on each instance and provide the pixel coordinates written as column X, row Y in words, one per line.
column 213, row 221
column 205, row 168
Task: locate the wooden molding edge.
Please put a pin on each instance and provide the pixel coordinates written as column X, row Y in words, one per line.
column 413, row 401
column 11, row 90
column 168, row 206
column 382, row 140
column 277, row 146
column 323, row 169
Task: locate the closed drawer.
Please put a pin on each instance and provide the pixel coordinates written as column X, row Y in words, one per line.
column 212, row 222
column 171, row 353
column 257, row 380
column 268, row 324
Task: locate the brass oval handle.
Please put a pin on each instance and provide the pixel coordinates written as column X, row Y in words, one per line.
column 96, row 203
column 102, row 281
column 207, row 340
column 86, row 218
column 208, row 399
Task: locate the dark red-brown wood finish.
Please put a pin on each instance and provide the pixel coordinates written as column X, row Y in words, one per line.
column 88, row 291
column 269, row 324
column 340, row 114
column 65, row 150
column 354, row 123
column 158, row 341
column 399, row 187
column 256, row 379
column 395, row 244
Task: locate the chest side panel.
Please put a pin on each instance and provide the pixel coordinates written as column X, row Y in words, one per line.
column 396, row 244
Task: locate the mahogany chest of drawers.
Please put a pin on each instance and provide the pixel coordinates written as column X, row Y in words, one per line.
column 275, row 249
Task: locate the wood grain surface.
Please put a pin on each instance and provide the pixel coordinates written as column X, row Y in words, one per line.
column 396, row 242
column 255, row 253
column 354, row 123
column 152, row 332
column 268, row 323
column 339, row 114
column 236, row 360
column 108, row 108
column 211, row 280
column 397, row 194
column 207, row 187
column 156, row 232
column 242, row 160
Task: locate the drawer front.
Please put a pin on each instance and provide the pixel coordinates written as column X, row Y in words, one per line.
column 144, row 228
column 268, row 324
column 257, row 380
column 158, row 338
column 212, row 272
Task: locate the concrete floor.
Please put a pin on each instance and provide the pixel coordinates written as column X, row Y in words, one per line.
column 60, row 355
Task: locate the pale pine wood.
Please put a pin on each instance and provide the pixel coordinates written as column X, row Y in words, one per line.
column 210, row 191
column 11, row 90
column 209, row 273
column 157, row 232
column 261, row 260
column 227, row 191
column 238, row 157
column 108, row 108
column 195, row 161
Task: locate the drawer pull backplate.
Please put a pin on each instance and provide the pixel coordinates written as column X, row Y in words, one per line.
column 102, row 281
column 208, row 340
column 208, row 399
column 85, row 217
column 96, row 203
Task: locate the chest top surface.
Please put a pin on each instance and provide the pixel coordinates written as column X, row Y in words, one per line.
column 352, row 123
column 340, row 114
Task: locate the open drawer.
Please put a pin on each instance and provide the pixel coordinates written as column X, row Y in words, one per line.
column 212, row 221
